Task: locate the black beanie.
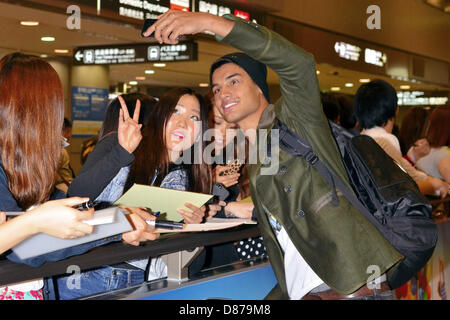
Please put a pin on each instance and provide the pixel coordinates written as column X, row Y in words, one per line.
column 255, row 69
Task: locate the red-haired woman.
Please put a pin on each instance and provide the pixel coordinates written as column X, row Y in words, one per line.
column 31, row 118
column 437, row 133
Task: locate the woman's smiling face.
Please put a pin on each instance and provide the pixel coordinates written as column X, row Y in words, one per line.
column 183, row 126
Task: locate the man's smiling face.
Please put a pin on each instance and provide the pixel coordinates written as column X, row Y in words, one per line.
column 236, row 95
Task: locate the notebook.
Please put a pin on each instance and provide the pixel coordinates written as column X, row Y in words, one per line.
column 164, row 200
column 42, row 243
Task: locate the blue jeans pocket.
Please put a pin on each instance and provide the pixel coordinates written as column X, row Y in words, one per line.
column 96, row 281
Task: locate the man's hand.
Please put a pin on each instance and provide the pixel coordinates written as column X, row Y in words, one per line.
column 129, row 129
column 141, row 230
column 175, row 23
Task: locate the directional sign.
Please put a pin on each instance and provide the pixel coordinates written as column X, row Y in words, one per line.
column 375, row 57
column 88, row 110
column 347, row 51
column 136, row 53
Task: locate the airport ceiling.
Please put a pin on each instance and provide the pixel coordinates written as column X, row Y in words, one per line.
column 15, row 37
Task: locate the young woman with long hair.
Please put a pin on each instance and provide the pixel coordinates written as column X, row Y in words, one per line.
column 437, row 133
column 31, row 119
column 171, row 139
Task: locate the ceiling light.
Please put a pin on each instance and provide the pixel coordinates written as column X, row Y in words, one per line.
column 335, row 89
column 61, row 51
column 203, row 85
column 149, row 71
column 405, row 87
column 140, row 78
column 159, row 65
column 48, row 39
column 44, row 55
column 133, row 83
column 349, row 85
column 317, row 72
column 29, row 23
column 364, row 80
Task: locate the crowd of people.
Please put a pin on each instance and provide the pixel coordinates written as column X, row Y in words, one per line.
column 143, row 139
column 421, row 145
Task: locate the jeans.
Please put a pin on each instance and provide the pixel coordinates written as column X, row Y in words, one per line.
column 98, row 280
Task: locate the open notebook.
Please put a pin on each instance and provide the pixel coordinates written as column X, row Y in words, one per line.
column 164, row 200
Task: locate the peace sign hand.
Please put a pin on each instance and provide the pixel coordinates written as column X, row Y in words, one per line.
column 129, row 129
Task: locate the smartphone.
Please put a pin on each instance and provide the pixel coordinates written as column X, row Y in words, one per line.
column 147, row 24
column 235, row 166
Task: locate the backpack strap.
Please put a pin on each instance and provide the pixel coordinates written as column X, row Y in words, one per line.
column 299, row 147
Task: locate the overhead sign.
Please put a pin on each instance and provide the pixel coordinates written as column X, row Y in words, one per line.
column 375, row 57
column 182, row 5
column 352, row 52
column 347, row 51
column 151, row 9
column 218, row 8
column 418, row 98
column 136, row 53
column 134, row 9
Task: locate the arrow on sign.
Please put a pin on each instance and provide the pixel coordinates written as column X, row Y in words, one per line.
column 79, row 55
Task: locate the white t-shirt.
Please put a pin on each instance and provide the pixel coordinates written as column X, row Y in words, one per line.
column 300, row 278
column 429, row 163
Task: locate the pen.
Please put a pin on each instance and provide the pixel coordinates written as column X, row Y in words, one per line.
column 86, row 205
column 156, row 213
column 164, row 224
column 82, row 206
column 13, row 214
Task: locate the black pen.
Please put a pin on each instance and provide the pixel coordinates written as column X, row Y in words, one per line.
column 165, row 224
column 86, row 205
column 83, row 206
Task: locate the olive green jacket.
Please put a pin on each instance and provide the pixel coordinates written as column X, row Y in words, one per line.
column 337, row 242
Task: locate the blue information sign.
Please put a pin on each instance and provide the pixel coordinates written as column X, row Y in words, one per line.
column 88, row 110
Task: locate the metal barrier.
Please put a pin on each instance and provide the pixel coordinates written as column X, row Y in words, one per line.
column 118, row 252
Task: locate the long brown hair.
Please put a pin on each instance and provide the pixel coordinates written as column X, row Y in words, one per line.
column 437, row 130
column 152, row 155
column 31, row 119
column 412, row 128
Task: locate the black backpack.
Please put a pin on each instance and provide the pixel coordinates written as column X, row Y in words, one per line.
column 385, row 194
